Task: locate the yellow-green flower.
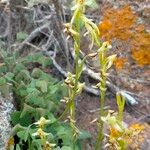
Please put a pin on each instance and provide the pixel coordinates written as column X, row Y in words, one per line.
column 40, row 133
column 42, row 122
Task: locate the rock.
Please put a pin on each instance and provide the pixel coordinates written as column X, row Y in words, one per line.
column 6, row 108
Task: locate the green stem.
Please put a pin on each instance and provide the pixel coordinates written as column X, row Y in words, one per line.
column 100, row 137
column 74, row 92
column 101, row 124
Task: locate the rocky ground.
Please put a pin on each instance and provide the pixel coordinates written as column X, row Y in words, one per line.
column 6, row 108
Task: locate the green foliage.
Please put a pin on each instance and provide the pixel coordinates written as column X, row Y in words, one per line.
column 37, row 94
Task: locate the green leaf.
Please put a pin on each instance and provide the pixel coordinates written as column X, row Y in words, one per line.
column 9, row 76
column 91, row 3
column 23, row 135
column 23, row 75
column 5, row 90
column 51, row 117
column 36, row 73
column 24, row 121
column 84, row 135
column 40, row 112
column 18, row 147
column 21, row 36
column 3, row 53
column 3, row 69
column 18, row 68
column 66, row 148
column 48, row 77
column 42, row 85
column 35, row 100
column 44, row 61
column 27, row 110
column 53, row 89
column 16, row 129
column 2, row 81
column 21, row 90
column 38, row 57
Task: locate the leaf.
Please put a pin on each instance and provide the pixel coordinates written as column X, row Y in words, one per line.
column 2, row 81
column 91, row 3
column 34, row 100
column 23, row 135
column 3, row 53
column 84, row 135
column 44, row 61
column 26, row 120
column 18, row 147
column 16, row 129
column 3, row 69
column 42, row 84
column 121, row 104
column 51, row 117
column 41, row 112
column 36, row 73
column 27, row 110
column 66, row 148
column 63, row 132
column 9, row 76
column 21, row 90
column 18, row 68
column 30, row 90
column 5, row 90
column 21, row 36
column 23, row 75
column 53, row 89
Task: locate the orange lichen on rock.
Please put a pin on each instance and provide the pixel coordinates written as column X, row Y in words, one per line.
column 141, row 47
column 142, row 56
column 137, row 127
column 120, row 62
column 138, row 136
column 117, row 24
column 121, row 24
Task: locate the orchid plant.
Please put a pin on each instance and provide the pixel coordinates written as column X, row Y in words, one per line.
column 78, row 24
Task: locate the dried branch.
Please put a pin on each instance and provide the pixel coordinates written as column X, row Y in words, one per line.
column 33, row 34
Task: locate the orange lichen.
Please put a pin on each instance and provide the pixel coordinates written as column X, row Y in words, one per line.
column 141, row 47
column 121, row 24
column 137, row 127
column 117, row 24
column 119, row 63
column 142, row 56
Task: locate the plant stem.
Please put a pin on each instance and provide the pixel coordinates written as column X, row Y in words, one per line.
column 101, row 124
column 100, row 137
column 74, row 92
